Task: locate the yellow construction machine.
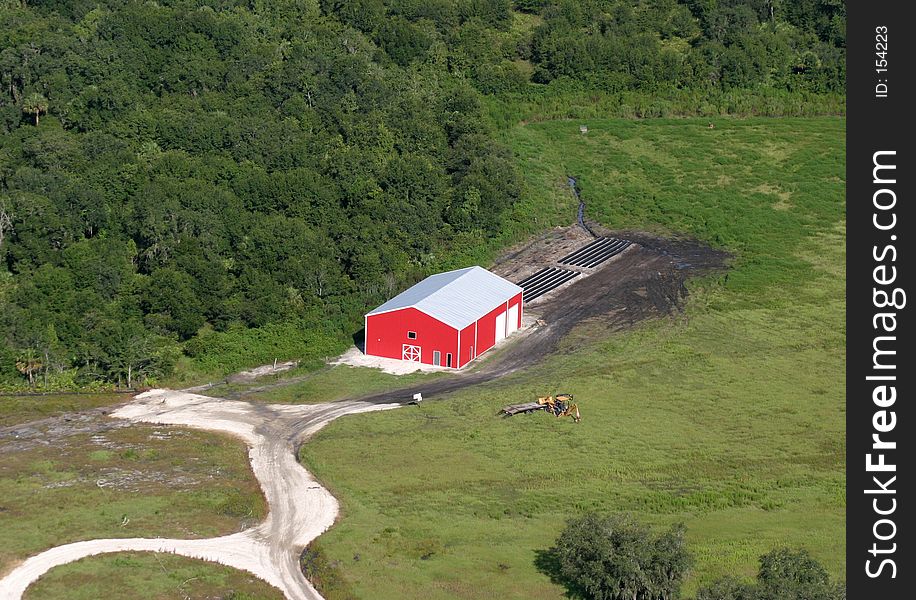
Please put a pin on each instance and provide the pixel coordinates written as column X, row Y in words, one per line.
column 560, row 405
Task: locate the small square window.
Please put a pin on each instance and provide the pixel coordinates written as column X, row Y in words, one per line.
column 411, row 335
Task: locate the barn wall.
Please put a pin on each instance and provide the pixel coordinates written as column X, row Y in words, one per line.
column 517, row 300
column 467, row 342
column 486, row 329
column 386, row 333
column 486, row 325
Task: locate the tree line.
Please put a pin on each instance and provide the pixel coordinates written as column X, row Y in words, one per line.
column 213, row 183
column 616, row 45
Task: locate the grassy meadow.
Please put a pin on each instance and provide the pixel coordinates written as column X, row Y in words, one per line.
column 729, row 417
column 129, row 575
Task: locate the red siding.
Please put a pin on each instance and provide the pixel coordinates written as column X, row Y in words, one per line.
column 486, row 329
column 386, row 333
column 467, row 345
column 486, row 325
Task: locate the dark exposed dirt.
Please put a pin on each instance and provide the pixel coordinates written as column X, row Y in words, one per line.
column 646, row 281
column 544, row 250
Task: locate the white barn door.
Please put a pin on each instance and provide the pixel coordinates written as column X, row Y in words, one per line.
column 512, row 325
column 500, row 326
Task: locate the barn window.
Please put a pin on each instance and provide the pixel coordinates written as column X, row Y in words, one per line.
column 411, row 335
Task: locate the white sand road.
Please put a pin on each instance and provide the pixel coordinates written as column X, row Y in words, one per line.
column 300, row 508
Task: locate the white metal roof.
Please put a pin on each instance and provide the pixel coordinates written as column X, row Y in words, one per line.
column 457, row 298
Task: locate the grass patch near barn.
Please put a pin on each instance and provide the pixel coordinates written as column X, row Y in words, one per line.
column 129, row 575
column 134, row 481
column 729, row 417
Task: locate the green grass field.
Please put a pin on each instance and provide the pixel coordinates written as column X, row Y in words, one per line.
column 131, row 575
column 729, row 417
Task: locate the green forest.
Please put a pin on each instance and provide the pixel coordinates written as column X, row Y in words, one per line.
column 188, row 187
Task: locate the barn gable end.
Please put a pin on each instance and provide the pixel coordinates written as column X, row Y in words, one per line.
column 447, row 319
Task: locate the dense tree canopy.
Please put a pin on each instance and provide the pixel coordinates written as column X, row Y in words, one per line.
column 616, row 45
column 698, row 43
column 185, row 176
column 212, row 164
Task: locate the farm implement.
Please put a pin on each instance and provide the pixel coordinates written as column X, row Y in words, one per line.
column 560, row 405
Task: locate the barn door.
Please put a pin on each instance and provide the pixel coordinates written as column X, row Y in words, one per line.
column 437, row 358
column 513, row 318
column 500, row 326
column 411, row 353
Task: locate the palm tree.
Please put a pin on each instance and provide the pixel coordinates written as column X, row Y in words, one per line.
column 29, row 364
column 35, row 105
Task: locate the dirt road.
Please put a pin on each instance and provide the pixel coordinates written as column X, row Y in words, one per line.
column 300, row 508
column 647, row 280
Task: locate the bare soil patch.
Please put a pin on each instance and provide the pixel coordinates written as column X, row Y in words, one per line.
column 647, row 281
column 55, row 432
column 18, row 408
column 547, row 248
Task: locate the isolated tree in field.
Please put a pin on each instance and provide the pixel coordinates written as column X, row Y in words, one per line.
column 35, row 105
column 784, row 574
column 669, row 562
column 616, row 558
column 787, row 574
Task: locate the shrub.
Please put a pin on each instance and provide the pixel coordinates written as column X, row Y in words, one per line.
column 324, row 573
column 784, row 574
column 615, row 558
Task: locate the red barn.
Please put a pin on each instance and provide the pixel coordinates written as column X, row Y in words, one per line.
column 447, row 319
